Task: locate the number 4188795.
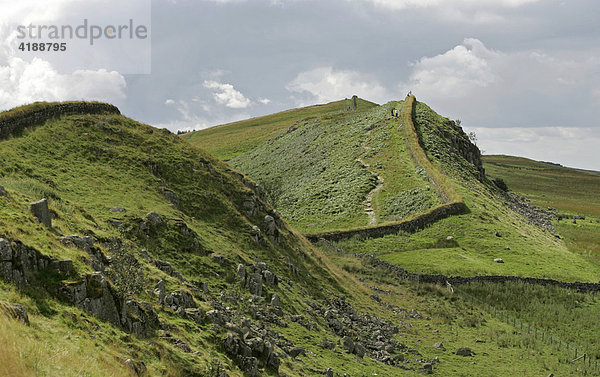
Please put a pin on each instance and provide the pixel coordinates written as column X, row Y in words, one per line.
column 43, row 46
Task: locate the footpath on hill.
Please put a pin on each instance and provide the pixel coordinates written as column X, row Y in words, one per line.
column 453, row 203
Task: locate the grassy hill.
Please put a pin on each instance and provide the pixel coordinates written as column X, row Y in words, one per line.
column 324, row 174
column 162, row 261
column 574, row 193
column 229, row 140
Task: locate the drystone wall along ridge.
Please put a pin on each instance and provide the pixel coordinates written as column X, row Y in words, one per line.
column 449, row 208
column 411, row 225
column 402, row 273
column 11, row 125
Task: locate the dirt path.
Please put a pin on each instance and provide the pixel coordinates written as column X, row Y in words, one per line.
column 368, row 202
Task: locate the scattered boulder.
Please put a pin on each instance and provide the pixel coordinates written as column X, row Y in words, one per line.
column 348, row 344
column 449, row 238
column 439, row 346
column 159, row 291
column 3, row 191
column 41, row 212
column 328, row 372
column 428, row 368
column 271, row 228
column 296, row 351
column 255, row 283
column 117, row 209
column 257, row 236
column 464, row 351
column 275, row 301
column 498, row 260
column 154, row 218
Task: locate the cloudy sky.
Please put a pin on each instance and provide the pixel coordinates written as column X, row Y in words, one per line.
column 523, row 74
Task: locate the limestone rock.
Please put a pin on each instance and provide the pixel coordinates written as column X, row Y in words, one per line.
column 117, row 209
column 271, row 229
column 41, row 212
column 498, row 260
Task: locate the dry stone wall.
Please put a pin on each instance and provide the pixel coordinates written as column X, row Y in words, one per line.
column 39, row 113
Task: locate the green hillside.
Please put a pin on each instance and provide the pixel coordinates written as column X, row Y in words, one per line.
column 324, row 174
column 574, row 193
column 159, row 260
column 229, row 140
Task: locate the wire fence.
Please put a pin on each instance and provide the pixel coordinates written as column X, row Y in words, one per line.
column 574, row 353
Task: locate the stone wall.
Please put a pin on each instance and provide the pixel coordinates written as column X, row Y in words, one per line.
column 410, row 225
column 401, row 273
column 14, row 121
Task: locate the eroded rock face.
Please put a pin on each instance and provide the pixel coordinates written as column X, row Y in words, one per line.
column 41, row 212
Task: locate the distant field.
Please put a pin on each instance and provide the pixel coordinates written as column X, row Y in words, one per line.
column 569, row 190
column 229, row 140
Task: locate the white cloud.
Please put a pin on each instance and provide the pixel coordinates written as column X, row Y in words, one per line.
column 264, row 101
column 492, row 87
column 325, row 84
column 25, row 82
column 226, row 94
column 456, row 71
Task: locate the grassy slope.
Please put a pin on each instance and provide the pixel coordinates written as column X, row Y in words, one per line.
column 229, row 140
column 571, row 191
column 317, row 174
column 88, row 164
column 526, row 249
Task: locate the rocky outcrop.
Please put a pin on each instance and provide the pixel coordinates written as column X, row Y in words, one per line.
column 19, row 264
column 535, row 215
column 13, row 122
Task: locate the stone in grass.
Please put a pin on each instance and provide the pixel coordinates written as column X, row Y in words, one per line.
column 3, row 191
column 41, row 212
column 439, row 346
column 498, row 260
column 464, row 351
